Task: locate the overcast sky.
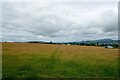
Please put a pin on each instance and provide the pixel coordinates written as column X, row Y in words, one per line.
column 59, row 21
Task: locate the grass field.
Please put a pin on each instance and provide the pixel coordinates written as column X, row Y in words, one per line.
column 28, row 60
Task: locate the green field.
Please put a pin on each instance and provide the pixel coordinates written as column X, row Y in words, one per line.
column 28, row 60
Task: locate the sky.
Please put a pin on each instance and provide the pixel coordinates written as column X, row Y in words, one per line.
column 59, row 21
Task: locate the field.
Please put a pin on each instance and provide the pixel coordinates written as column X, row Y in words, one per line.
column 28, row 60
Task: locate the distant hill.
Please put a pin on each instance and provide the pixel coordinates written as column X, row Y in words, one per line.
column 100, row 41
column 108, row 41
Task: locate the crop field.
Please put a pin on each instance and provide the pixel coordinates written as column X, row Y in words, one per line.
column 29, row 60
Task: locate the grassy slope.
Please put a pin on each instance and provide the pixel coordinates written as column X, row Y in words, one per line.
column 24, row 60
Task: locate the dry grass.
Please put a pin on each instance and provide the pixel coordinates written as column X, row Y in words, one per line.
column 58, row 60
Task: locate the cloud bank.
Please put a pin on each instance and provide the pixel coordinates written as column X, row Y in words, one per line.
column 59, row 21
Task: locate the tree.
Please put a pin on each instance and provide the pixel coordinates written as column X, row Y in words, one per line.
column 50, row 42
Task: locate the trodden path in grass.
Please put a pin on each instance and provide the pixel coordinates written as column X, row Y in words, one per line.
column 27, row 60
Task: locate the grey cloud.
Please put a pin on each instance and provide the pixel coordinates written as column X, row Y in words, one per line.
column 110, row 21
column 27, row 21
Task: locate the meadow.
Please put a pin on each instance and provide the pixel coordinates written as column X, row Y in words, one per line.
column 29, row 60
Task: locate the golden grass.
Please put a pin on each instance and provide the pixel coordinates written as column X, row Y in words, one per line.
column 97, row 57
column 64, row 51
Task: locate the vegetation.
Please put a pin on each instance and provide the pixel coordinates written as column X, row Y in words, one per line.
column 29, row 60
